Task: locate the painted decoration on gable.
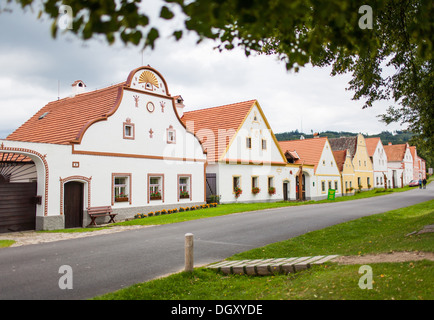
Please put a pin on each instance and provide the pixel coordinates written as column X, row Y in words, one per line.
column 149, row 80
column 150, row 106
column 136, row 100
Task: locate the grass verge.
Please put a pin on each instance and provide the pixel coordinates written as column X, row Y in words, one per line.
column 373, row 234
column 224, row 209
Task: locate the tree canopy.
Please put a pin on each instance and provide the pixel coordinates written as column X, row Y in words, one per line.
column 386, row 44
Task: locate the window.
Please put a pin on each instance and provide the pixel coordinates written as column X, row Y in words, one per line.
column 171, row 135
column 270, row 182
column 336, row 186
column 121, row 186
column 254, row 182
column 156, row 187
column 129, row 130
column 236, row 183
column 323, row 187
column 248, row 142
column 264, row 144
column 359, row 181
column 330, row 184
column 184, row 186
column 369, row 181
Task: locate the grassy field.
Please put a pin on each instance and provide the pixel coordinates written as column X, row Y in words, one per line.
column 225, row 209
column 386, row 232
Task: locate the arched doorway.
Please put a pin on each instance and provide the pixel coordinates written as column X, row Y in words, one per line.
column 18, row 189
column 73, row 204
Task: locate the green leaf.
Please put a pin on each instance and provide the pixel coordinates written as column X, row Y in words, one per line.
column 166, row 13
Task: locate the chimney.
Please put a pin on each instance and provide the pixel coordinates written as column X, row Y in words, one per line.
column 390, row 143
column 316, row 135
column 78, row 87
column 179, row 104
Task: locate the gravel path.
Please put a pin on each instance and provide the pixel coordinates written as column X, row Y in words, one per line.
column 33, row 237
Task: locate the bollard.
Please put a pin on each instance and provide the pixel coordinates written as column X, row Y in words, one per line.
column 189, row 252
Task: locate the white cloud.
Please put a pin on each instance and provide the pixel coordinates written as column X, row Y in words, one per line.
column 32, row 65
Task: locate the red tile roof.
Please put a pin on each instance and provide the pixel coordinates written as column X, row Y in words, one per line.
column 371, row 145
column 340, row 157
column 395, row 152
column 62, row 121
column 309, row 150
column 216, row 126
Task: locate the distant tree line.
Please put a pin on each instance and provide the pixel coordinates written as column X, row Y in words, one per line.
column 396, row 137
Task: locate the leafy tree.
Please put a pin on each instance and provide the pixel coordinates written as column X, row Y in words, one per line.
column 390, row 57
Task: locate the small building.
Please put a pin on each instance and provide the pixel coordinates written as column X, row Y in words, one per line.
column 356, row 146
column 244, row 161
column 399, row 164
column 379, row 161
column 122, row 146
column 419, row 170
column 317, row 153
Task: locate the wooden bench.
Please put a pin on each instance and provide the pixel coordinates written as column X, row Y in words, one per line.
column 105, row 211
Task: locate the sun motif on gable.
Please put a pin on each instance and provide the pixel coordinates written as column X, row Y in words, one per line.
column 148, row 77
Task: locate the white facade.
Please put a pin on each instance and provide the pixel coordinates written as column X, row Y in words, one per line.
column 379, row 165
column 327, row 174
column 253, row 159
column 400, row 173
column 139, row 149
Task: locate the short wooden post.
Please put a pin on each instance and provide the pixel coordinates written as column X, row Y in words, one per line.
column 189, row 252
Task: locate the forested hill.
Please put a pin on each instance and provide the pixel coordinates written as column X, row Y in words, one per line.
column 397, row 137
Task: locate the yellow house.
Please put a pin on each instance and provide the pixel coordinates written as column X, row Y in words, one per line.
column 361, row 162
column 346, row 169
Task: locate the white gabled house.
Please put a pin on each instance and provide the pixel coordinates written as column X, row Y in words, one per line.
column 318, row 153
column 123, row 146
column 399, row 164
column 243, row 154
column 379, row 161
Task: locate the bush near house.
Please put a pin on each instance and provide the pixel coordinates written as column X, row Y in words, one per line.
column 172, row 211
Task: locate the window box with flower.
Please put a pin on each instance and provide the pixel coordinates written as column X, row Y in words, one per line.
column 237, row 191
column 155, row 196
column 121, row 197
column 255, row 190
column 271, row 190
column 184, row 195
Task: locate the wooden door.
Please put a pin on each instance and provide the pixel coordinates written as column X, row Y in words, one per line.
column 211, row 185
column 285, row 191
column 17, row 206
column 73, row 204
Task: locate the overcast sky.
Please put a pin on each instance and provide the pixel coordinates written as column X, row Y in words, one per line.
column 32, row 65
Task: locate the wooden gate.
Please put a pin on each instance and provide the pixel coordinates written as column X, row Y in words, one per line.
column 73, row 204
column 211, row 185
column 17, row 206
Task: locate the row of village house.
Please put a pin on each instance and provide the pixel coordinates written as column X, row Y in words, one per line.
column 133, row 147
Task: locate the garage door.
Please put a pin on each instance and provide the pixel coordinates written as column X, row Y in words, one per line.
column 17, row 206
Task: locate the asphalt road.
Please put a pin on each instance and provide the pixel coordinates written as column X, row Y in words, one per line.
column 106, row 263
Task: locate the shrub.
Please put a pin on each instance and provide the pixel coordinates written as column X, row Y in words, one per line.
column 150, row 214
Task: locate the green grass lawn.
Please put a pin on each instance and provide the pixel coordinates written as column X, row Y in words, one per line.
column 224, row 209
column 384, row 232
